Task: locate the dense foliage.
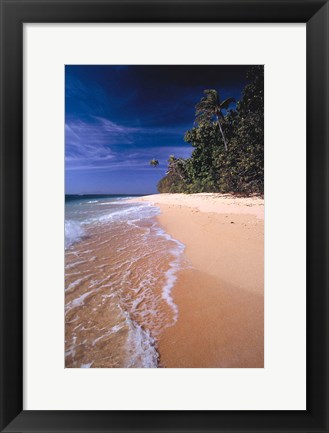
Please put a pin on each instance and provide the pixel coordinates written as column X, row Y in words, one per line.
column 228, row 153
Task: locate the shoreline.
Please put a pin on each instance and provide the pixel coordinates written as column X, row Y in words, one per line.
column 220, row 298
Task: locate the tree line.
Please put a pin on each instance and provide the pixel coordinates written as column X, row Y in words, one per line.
column 228, row 154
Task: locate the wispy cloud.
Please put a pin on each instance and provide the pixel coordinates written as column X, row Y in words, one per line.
column 115, row 128
column 104, row 144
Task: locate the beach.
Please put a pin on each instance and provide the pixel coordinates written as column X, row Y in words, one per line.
column 220, row 292
column 120, row 268
column 164, row 281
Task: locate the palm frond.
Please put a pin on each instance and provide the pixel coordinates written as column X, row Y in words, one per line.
column 212, row 96
column 225, row 104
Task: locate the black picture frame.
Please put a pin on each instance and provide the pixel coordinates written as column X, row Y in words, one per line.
column 13, row 14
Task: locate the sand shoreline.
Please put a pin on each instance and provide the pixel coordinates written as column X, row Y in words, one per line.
column 221, row 296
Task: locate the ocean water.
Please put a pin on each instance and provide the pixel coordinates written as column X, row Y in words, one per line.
column 120, row 268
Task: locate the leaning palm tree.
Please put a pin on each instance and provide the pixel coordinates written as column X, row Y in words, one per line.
column 211, row 107
column 176, row 166
column 154, row 162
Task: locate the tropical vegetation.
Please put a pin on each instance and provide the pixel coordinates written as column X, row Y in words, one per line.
column 228, row 145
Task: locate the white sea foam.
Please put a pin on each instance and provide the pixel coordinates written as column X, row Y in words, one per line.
column 171, row 274
column 134, row 212
column 113, row 330
column 110, row 203
column 72, row 265
column 74, row 232
column 77, row 282
column 87, row 365
column 141, row 346
column 92, row 201
column 78, row 301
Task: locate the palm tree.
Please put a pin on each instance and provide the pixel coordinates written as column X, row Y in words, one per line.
column 154, row 162
column 211, row 106
column 176, row 166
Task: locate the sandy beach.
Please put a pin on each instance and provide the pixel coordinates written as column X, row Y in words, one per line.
column 220, row 293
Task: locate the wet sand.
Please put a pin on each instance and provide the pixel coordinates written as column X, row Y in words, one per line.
column 220, row 297
column 114, row 278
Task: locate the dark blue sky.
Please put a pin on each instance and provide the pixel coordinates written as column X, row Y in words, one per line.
column 117, row 118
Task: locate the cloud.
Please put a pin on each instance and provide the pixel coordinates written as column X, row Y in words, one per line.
column 101, row 143
column 115, row 128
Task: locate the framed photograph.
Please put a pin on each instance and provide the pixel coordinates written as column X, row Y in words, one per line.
column 164, row 230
